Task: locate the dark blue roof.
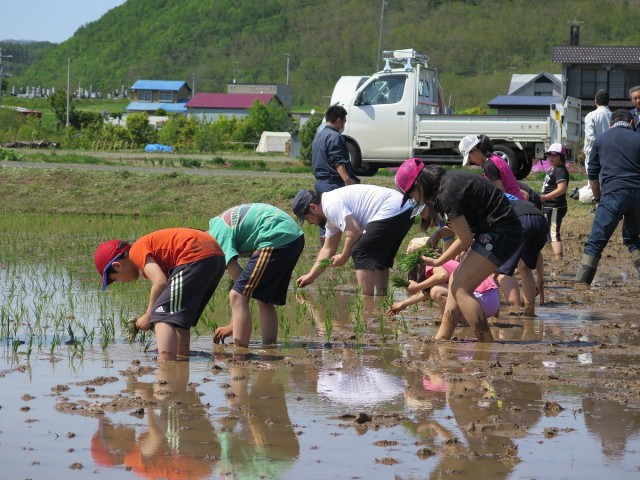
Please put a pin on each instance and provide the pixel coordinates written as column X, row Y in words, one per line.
column 523, row 101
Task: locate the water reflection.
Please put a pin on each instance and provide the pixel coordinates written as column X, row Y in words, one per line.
column 257, row 436
column 179, row 441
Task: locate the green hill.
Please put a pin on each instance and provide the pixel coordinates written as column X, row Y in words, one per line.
column 475, row 44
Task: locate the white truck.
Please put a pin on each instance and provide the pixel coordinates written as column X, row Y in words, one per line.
column 397, row 113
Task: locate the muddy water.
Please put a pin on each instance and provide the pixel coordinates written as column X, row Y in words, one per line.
column 556, row 397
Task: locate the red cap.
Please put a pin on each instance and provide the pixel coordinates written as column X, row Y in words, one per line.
column 106, row 254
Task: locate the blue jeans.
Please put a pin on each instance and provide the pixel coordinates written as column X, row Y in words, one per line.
column 324, row 187
column 615, row 206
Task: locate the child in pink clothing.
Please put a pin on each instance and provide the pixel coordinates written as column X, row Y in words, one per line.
column 436, row 287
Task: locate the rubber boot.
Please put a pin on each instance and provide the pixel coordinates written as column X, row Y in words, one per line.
column 587, row 269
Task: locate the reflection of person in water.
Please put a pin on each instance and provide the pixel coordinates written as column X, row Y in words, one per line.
column 611, row 422
column 257, row 440
column 180, row 442
column 478, row 418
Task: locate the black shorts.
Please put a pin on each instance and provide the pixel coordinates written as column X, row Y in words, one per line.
column 499, row 244
column 189, row 289
column 380, row 241
column 533, row 241
column 268, row 272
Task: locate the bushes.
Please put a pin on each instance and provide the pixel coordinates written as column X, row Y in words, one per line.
column 307, row 134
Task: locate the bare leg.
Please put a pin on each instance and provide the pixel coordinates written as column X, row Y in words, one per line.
column 268, row 323
column 558, row 251
column 184, row 341
column 473, row 269
column 366, row 281
column 240, row 318
column 381, row 280
column 167, row 340
column 439, row 294
column 528, row 289
column 511, row 290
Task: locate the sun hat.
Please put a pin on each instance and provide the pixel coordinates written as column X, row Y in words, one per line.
column 557, row 148
column 300, row 204
column 466, row 145
column 106, row 254
column 406, row 176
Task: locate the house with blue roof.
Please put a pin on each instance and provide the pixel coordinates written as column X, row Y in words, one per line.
column 529, row 94
column 152, row 95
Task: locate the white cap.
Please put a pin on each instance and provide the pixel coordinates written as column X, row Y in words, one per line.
column 466, row 145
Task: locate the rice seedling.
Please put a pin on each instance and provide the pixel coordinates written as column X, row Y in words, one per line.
column 398, row 281
column 285, row 324
column 407, row 261
column 325, row 262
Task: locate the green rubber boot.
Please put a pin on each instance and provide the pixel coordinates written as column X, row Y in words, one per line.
column 587, row 269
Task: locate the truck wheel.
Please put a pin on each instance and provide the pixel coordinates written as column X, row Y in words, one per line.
column 509, row 156
column 525, row 164
column 360, row 169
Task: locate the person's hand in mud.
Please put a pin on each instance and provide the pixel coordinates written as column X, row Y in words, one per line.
column 304, row 280
column 221, row 333
column 395, row 309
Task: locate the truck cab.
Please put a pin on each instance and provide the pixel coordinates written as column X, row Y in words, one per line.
column 381, row 113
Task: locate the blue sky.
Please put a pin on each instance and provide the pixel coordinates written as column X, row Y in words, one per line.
column 49, row 20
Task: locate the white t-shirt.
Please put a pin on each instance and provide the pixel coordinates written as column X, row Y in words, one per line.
column 365, row 203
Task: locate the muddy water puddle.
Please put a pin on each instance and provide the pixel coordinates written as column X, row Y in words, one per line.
column 347, row 393
column 540, row 403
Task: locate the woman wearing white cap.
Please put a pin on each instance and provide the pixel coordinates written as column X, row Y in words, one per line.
column 478, row 150
column 554, row 195
column 486, row 228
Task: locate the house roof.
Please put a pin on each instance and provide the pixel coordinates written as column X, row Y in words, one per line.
column 520, row 80
column 523, row 101
column 168, row 85
column 153, row 106
column 602, row 54
column 239, row 101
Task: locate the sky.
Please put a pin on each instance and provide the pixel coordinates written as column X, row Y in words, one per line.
column 49, row 20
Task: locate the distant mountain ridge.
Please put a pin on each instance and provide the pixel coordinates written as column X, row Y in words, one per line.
column 474, row 45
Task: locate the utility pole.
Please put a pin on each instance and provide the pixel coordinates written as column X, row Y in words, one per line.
column 68, row 88
column 1, row 71
column 288, row 59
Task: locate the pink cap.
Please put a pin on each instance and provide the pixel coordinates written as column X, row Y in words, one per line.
column 407, row 174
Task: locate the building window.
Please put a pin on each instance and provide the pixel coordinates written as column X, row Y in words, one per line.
column 144, row 96
column 165, row 96
column 592, row 81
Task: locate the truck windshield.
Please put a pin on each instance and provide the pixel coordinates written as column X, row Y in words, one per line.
column 386, row 89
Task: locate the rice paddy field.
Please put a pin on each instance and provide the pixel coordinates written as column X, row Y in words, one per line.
column 348, row 392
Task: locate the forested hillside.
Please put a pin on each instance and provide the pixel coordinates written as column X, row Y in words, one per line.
column 475, row 44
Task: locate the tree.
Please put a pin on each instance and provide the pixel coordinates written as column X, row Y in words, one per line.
column 140, row 130
column 307, row 134
column 58, row 103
